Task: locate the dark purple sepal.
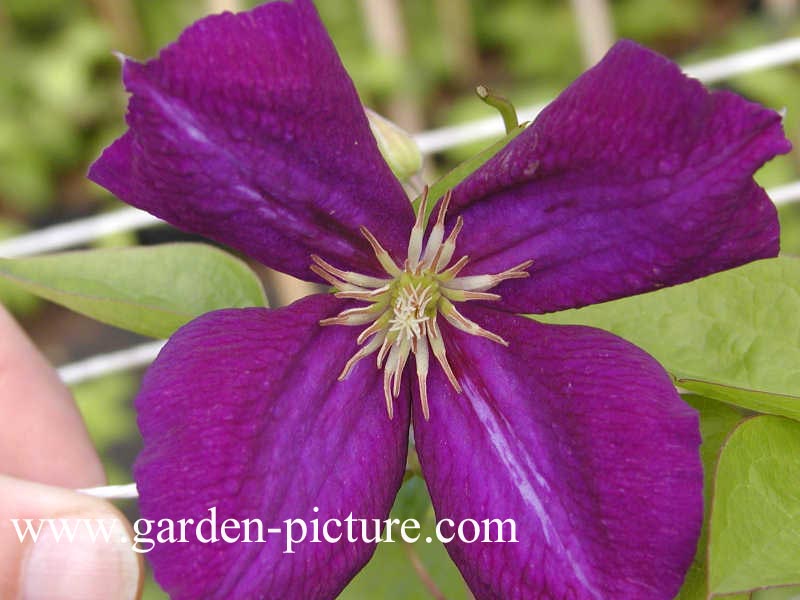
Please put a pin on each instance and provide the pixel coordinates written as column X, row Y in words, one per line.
column 249, row 131
column 582, row 440
column 634, row 178
column 242, row 412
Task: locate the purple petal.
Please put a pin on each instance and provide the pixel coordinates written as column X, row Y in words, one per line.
column 242, row 412
column 581, row 439
column 635, row 178
column 249, row 131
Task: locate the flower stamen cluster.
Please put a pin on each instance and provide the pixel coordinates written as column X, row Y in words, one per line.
column 403, row 308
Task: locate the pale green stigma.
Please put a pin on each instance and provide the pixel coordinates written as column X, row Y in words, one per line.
column 402, row 309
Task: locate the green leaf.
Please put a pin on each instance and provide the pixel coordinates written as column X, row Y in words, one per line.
column 17, row 301
column 147, row 290
column 754, row 533
column 784, row 405
column 717, row 420
column 733, row 336
column 782, row 593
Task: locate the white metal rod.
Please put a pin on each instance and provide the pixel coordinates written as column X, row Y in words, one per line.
column 711, row 71
column 112, row 492
column 785, row 194
column 78, row 232
column 762, row 57
column 112, row 362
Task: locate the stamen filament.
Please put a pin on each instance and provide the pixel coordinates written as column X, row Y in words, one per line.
column 378, row 325
column 363, row 352
column 335, row 282
column 461, row 322
column 403, row 309
column 454, row 270
column 405, row 349
column 434, row 245
column 448, row 247
column 387, row 376
column 421, row 358
column 351, row 319
column 366, row 295
column 417, row 233
column 439, row 351
column 385, row 347
column 364, row 281
column 381, row 254
column 480, row 283
column 464, row 296
column 346, row 316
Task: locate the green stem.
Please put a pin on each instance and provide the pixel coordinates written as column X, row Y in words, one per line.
column 423, row 574
column 463, row 170
column 502, row 105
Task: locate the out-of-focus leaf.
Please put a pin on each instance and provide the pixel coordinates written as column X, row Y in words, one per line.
column 391, row 575
column 147, row 290
column 717, row 420
column 107, row 410
column 754, row 533
column 412, row 501
column 791, row 592
column 14, row 299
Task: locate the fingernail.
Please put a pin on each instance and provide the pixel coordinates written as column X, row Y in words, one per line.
column 80, row 566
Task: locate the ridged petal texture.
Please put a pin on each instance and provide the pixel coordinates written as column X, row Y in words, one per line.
column 249, row 131
column 580, row 438
column 242, row 412
column 635, row 178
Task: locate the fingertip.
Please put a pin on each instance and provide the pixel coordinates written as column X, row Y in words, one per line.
column 82, row 550
column 42, row 435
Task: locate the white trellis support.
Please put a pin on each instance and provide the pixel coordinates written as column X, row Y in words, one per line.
column 77, row 233
column 112, row 492
column 712, row 71
column 111, row 362
column 785, row 194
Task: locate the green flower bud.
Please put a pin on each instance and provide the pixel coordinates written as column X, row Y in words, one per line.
column 398, row 148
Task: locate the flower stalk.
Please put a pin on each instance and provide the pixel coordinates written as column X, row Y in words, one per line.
column 502, row 105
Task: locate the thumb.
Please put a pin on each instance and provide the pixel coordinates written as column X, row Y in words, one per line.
column 56, row 544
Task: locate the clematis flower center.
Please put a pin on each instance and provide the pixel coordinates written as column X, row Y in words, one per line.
column 402, row 308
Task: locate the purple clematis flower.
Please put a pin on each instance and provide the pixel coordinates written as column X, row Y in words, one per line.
column 248, row 130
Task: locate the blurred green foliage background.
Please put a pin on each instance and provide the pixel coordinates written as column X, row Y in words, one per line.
column 416, row 61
